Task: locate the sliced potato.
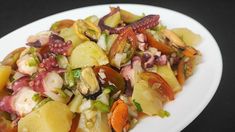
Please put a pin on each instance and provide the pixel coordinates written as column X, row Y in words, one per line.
column 51, row 117
column 75, row 103
column 129, row 17
column 190, row 38
column 70, row 34
column 147, row 97
column 113, row 20
column 99, row 123
column 5, row 72
column 88, row 54
column 65, row 23
column 167, row 74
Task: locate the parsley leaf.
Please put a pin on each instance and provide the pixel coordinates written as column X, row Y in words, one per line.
column 138, row 106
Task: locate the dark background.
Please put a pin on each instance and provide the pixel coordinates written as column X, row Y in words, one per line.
column 216, row 16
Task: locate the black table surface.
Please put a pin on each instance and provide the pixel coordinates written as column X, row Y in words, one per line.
column 216, row 16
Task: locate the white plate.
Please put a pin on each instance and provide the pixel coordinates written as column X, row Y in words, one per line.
column 197, row 91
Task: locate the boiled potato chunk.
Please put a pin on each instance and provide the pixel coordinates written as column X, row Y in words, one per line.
column 99, row 123
column 129, row 17
column 167, row 74
column 113, row 20
column 88, row 54
column 70, row 34
column 65, row 23
column 51, row 117
column 147, row 97
column 190, row 38
column 5, row 72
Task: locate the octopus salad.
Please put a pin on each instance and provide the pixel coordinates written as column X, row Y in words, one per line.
column 95, row 74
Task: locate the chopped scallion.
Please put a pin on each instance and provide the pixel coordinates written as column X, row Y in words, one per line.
column 138, row 106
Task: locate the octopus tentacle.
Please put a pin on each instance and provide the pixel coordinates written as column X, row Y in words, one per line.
column 104, row 27
column 21, row 82
column 6, row 104
column 49, row 63
column 36, row 83
column 20, row 103
column 57, row 45
column 146, row 22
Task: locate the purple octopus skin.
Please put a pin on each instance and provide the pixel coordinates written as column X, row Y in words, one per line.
column 146, row 22
column 57, row 45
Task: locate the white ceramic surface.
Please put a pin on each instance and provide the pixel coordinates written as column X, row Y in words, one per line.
column 197, row 91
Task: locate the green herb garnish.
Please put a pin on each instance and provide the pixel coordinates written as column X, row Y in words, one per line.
column 36, row 98
column 55, row 26
column 111, row 87
column 69, row 78
column 61, row 93
column 41, row 103
column 111, row 100
column 101, row 106
column 107, row 91
column 164, row 113
column 138, row 106
column 76, row 73
column 32, row 62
